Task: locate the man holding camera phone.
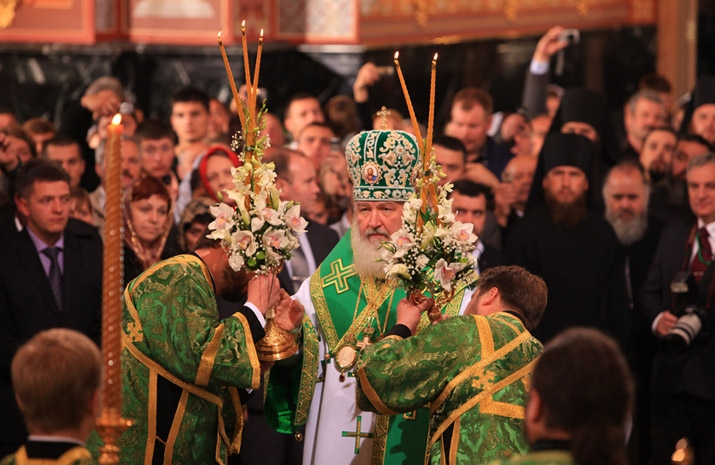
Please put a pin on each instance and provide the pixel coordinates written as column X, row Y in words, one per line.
column 678, row 297
column 534, row 98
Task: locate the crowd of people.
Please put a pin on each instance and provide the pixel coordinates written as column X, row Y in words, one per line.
column 584, row 218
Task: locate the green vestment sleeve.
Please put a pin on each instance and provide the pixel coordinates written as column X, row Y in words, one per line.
column 472, row 371
column 172, row 331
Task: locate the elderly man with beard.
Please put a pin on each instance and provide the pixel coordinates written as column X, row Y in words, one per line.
column 626, row 194
column 573, row 249
column 348, row 304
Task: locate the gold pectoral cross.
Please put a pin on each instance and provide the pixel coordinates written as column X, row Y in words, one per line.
column 357, row 435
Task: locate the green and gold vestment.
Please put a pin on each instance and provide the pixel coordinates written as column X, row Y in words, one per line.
column 473, row 372
column 75, row 456
column 339, row 305
column 172, row 332
column 543, row 457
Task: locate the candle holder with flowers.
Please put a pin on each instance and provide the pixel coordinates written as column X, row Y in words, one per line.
column 431, row 252
column 257, row 229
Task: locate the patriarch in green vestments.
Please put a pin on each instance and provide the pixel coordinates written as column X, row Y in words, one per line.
column 56, row 377
column 579, row 401
column 349, row 302
column 471, row 370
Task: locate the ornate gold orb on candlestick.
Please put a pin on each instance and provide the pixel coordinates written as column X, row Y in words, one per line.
column 110, row 424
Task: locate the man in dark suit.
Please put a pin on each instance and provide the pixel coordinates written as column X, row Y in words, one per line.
column 683, row 383
column 469, row 204
column 297, row 180
column 57, row 377
column 50, row 276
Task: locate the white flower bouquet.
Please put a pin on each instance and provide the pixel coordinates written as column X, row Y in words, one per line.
column 259, row 232
column 432, row 251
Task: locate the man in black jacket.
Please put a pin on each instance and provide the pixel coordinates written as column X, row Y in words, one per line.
column 683, row 385
column 50, row 276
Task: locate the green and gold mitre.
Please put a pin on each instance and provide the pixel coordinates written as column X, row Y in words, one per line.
column 383, row 165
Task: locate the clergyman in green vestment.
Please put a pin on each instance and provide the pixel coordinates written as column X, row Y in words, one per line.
column 580, row 397
column 472, row 370
column 56, row 376
column 348, row 301
column 182, row 365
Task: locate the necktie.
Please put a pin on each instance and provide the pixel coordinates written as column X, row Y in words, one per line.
column 704, row 256
column 54, row 275
column 300, row 268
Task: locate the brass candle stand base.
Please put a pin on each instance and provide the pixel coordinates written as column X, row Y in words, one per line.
column 110, row 427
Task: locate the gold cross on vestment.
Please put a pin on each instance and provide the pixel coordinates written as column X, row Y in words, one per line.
column 383, row 114
column 357, row 435
column 338, row 276
column 135, row 334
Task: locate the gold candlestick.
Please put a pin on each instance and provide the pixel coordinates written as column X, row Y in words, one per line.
column 111, row 425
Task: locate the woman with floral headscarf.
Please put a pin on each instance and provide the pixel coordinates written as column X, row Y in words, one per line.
column 147, row 226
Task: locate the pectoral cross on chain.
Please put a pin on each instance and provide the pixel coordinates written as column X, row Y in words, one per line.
column 357, row 435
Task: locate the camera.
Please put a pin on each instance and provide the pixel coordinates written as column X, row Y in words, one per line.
column 691, row 317
column 571, row 36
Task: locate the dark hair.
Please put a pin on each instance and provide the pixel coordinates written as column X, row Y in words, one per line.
column 38, row 170
column 656, row 82
column 205, row 242
column 318, row 124
column 39, row 126
column 470, row 188
column 80, row 194
column 153, row 129
column 698, row 139
column 294, row 98
column 468, row 97
column 450, row 143
column 16, row 131
column 518, row 289
column 585, row 389
column 146, row 186
column 660, row 128
column 60, row 140
column 195, row 179
column 342, row 114
column 191, row 94
column 281, row 158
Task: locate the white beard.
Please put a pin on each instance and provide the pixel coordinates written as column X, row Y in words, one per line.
column 628, row 231
column 366, row 255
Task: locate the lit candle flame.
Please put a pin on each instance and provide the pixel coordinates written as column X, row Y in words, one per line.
column 117, row 119
column 243, row 26
column 435, row 57
column 397, row 55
